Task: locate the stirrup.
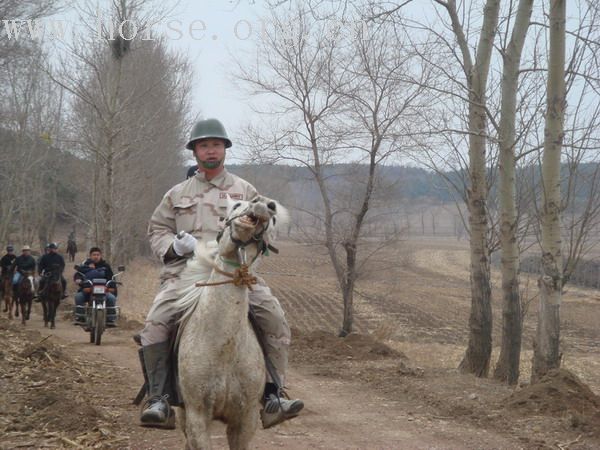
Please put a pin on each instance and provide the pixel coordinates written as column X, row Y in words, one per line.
column 277, row 410
column 150, row 417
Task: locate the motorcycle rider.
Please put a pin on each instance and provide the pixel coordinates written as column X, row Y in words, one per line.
column 93, row 267
column 196, row 207
column 47, row 261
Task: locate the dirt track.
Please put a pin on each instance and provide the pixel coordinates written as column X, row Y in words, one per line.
column 358, row 393
column 338, row 415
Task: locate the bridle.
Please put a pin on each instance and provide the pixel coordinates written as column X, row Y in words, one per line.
column 241, row 276
column 263, row 246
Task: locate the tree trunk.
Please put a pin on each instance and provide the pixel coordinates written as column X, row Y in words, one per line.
column 507, row 368
column 546, row 353
column 95, row 201
column 479, row 349
column 348, row 289
column 107, row 210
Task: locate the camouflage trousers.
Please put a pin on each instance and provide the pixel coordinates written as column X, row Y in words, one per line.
column 160, row 323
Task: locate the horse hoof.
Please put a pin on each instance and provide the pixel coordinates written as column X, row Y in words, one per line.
column 46, row 324
column 52, row 327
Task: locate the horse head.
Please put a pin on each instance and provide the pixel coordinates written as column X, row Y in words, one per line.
column 26, row 286
column 250, row 228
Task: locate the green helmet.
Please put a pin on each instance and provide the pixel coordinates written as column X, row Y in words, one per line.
column 209, row 128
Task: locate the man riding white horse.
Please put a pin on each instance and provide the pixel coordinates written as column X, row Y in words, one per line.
column 195, row 209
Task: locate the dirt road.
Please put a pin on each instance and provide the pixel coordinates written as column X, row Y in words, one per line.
column 338, row 415
column 392, row 386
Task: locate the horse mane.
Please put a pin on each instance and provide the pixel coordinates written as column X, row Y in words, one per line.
column 199, row 268
column 282, row 220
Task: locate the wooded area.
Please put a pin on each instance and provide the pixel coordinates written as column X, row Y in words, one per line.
column 496, row 104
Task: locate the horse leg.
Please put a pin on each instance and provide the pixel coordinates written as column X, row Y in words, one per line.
column 197, row 430
column 22, row 304
column 241, row 430
column 16, row 302
column 6, row 296
column 11, row 300
column 45, row 311
column 180, row 418
column 53, row 307
column 29, row 303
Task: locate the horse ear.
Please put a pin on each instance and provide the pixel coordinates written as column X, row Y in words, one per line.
column 230, row 203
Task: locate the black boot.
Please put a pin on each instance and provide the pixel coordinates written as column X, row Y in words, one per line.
column 156, row 411
column 277, row 409
column 79, row 314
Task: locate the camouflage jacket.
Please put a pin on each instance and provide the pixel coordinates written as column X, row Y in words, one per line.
column 197, row 206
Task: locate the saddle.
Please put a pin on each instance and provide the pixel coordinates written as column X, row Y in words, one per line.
column 172, row 384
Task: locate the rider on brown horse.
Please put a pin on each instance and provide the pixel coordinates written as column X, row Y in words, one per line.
column 50, row 259
column 24, row 263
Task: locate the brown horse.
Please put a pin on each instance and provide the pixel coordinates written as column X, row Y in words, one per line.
column 24, row 297
column 7, row 292
column 50, row 294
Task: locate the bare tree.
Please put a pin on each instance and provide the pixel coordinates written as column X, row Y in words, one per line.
column 546, row 350
column 21, row 11
column 507, row 368
column 339, row 100
column 31, row 113
column 477, row 356
column 129, row 96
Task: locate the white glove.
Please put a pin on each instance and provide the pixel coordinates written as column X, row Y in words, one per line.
column 184, row 244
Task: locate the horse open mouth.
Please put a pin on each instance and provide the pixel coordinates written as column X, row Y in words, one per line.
column 252, row 220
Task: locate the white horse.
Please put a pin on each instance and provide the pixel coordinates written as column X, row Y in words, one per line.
column 221, row 365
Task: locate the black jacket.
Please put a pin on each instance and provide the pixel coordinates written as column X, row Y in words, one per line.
column 49, row 260
column 6, row 263
column 25, row 263
column 85, row 268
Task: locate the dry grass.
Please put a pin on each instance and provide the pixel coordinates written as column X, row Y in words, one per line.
column 420, row 309
column 140, row 285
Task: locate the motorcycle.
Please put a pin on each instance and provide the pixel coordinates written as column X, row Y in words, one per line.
column 97, row 311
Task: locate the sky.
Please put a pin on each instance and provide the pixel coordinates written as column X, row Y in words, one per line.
column 214, row 34
column 231, row 27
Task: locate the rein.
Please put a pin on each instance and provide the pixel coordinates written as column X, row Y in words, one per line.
column 240, row 277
